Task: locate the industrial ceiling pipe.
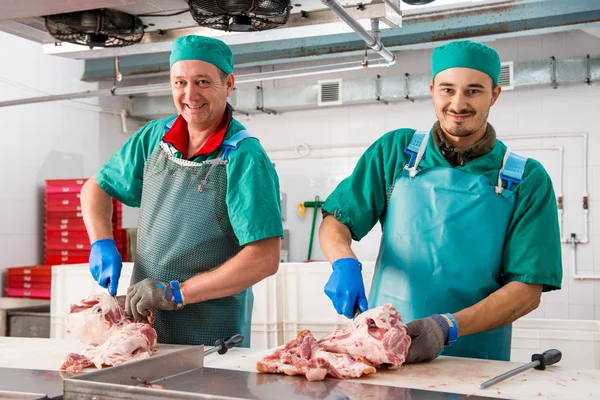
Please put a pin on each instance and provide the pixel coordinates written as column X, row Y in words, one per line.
column 373, row 43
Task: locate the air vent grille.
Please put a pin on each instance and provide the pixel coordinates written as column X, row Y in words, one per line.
column 507, row 77
column 330, row 92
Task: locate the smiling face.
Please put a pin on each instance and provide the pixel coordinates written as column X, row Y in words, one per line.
column 462, row 98
column 200, row 92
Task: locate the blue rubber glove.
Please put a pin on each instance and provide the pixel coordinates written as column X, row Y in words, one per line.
column 106, row 264
column 346, row 288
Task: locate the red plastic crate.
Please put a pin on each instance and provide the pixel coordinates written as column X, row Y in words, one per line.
column 29, row 285
column 66, row 233
column 30, row 293
column 63, row 196
column 60, row 260
column 29, row 270
column 62, row 244
column 19, row 280
column 60, row 206
column 66, row 182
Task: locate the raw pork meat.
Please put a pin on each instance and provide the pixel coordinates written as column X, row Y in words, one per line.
column 376, row 338
column 100, row 322
column 378, row 335
column 303, row 356
column 94, row 319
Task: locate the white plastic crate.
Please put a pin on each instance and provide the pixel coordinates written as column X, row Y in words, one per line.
column 578, row 341
column 267, row 313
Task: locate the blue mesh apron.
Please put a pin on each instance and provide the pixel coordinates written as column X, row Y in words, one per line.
column 442, row 242
column 184, row 230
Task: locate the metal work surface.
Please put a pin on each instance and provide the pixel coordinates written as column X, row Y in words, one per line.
column 212, row 383
column 182, row 376
column 16, row 383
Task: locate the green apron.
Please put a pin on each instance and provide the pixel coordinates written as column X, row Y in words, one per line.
column 441, row 248
column 184, row 230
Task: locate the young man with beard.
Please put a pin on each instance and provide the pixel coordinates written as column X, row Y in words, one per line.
column 470, row 230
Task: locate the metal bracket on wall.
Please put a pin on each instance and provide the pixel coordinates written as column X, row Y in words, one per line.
column 554, row 80
column 378, row 91
column 260, row 102
column 588, row 68
column 233, row 103
column 407, row 87
column 118, row 77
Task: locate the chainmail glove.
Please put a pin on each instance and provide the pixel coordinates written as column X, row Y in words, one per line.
column 147, row 295
column 429, row 337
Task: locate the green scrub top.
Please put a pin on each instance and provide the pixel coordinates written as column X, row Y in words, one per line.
column 532, row 249
column 252, row 183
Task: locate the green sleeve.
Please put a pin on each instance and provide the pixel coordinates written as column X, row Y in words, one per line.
column 532, row 251
column 360, row 200
column 121, row 176
column 253, row 194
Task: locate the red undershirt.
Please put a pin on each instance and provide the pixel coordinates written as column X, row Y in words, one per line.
column 179, row 137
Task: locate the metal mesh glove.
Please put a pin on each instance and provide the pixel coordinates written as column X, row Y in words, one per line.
column 147, row 295
column 429, row 337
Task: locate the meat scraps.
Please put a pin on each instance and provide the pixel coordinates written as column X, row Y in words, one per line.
column 378, row 335
column 303, row 356
column 376, row 338
column 100, row 321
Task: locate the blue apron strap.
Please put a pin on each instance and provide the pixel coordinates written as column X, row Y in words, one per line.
column 416, row 151
column 413, row 147
column 513, row 170
column 233, row 142
column 170, row 124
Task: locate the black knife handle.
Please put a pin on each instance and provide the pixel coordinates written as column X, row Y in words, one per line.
column 547, row 358
column 229, row 343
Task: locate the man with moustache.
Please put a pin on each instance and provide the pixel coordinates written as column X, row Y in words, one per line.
column 210, row 219
column 470, row 229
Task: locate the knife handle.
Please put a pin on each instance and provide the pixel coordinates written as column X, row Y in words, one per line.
column 229, row 343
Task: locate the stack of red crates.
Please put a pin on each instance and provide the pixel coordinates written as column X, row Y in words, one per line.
column 33, row 282
column 66, row 239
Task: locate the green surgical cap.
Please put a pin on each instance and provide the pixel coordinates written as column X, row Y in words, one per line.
column 202, row 48
column 466, row 54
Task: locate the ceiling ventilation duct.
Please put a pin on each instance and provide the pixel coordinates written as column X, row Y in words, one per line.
column 96, row 28
column 240, row 15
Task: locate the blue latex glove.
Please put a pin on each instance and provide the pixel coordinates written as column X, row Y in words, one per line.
column 346, row 288
column 106, row 264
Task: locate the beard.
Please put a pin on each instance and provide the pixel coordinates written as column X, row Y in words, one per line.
column 464, row 128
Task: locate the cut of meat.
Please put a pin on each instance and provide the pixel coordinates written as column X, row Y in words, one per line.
column 134, row 341
column 303, row 356
column 378, row 335
column 75, row 363
column 94, row 319
column 376, row 338
column 100, row 321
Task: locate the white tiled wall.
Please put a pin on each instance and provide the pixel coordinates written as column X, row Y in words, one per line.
column 39, row 141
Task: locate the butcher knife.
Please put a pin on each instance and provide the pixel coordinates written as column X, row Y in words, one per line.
column 538, row 361
column 356, row 310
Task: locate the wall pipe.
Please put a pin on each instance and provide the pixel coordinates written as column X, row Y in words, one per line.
column 122, row 113
column 372, row 42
